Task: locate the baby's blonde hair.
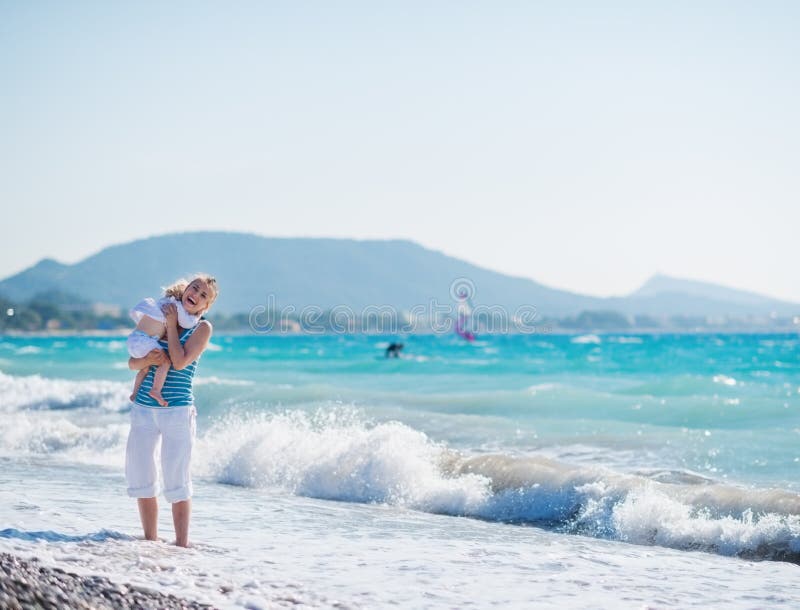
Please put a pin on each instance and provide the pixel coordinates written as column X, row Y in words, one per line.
column 177, row 288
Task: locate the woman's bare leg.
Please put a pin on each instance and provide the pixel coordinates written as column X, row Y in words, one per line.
column 181, row 515
column 148, row 513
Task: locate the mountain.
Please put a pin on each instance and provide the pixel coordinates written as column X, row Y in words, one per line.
column 355, row 273
column 664, row 295
column 661, row 284
column 297, row 271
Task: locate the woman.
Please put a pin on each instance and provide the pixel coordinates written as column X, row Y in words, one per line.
column 173, row 425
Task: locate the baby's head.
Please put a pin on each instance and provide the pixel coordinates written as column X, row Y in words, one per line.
column 196, row 295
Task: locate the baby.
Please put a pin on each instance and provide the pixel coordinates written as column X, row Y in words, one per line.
column 150, row 327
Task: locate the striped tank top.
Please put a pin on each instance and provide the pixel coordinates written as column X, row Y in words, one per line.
column 177, row 390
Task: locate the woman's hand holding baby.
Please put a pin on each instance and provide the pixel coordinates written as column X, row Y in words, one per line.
column 170, row 313
column 157, row 357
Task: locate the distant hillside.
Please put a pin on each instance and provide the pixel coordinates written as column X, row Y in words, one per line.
column 356, row 273
column 298, row 271
column 664, row 295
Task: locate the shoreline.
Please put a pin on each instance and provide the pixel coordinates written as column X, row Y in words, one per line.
column 26, row 583
column 554, row 332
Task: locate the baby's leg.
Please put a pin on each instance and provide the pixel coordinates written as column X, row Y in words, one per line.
column 158, row 382
column 138, row 382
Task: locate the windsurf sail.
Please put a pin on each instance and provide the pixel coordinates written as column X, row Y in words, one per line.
column 464, row 317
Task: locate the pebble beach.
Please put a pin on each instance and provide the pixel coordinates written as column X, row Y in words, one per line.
column 28, row 584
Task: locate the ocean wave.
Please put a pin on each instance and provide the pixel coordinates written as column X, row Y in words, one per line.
column 39, row 433
column 36, row 392
column 214, row 380
column 542, row 387
column 53, row 536
column 82, row 421
column 333, row 454
column 28, row 350
column 685, row 385
column 586, row 339
column 724, row 380
column 108, row 346
column 626, row 340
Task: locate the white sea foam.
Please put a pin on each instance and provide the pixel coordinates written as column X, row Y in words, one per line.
column 36, row 392
column 541, row 387
column 28, row 350
column 626, row 340
column 724, row 380
column 214, row 380
column 650, row 516
column 332, row 455
column 586, row 339
column 108, row 346
column 39, row 433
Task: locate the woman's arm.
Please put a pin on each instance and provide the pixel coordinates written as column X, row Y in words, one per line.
column 156, row 357
column 183, row 355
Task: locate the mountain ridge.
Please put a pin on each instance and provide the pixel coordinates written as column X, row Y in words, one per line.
column 326, row 272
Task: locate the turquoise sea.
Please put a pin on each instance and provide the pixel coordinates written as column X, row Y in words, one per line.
column 520, row 470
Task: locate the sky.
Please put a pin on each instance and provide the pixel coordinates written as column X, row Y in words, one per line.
column 586, row 145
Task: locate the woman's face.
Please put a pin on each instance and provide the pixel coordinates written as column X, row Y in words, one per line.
column 197, row 297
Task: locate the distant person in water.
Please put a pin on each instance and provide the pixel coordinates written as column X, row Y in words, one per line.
column 151, row 328
column 171, row 427
column 394, row 349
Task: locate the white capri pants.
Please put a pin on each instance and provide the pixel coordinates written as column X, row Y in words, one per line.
column 175, row 428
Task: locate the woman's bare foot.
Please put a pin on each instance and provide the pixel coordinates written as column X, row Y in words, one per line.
column 158, row 398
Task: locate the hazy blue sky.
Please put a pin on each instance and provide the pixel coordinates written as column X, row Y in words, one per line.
column 586, row 145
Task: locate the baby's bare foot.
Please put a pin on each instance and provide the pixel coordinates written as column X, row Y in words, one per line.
column 158, row 398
